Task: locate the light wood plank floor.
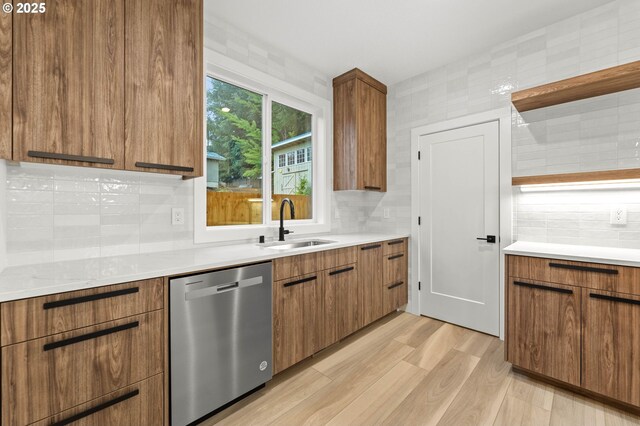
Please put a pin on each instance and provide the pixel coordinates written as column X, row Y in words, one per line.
column 409, row 370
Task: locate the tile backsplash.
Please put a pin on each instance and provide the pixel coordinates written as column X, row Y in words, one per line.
column 577, row 217
column 62, row 213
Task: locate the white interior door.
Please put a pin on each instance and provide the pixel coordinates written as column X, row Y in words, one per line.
column 460, row 203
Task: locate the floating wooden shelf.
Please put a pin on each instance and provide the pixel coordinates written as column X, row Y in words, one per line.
column 604, row 82
column 577, row 177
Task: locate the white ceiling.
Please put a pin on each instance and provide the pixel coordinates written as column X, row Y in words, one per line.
column 391, row 40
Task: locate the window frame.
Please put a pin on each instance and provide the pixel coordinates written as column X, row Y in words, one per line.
column 272, row 89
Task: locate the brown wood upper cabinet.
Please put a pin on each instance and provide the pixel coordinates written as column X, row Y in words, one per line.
column 75, row 102
column 68, row 85
column 359, row 132
column 6, row 70
column 163, row 86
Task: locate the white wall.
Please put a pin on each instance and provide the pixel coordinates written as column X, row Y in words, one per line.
column 600, row 38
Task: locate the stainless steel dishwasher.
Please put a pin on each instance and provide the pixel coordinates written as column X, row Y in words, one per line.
column 220, row 324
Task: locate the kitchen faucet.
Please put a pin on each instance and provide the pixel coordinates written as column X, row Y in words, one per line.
column 282, row 232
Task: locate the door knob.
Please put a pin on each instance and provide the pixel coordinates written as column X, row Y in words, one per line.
column 489, row 239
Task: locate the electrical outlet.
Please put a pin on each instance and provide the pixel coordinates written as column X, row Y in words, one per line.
column 618, row 215
column 385, row 213
column 177, row 216
column 337, row 214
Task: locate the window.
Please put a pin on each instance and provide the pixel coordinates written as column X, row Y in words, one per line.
column 260, row 133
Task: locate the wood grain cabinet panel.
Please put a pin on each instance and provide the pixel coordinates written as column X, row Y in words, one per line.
column 136, row 405
column 395, row 288
column 338, row 257
column 395, row 246
column 68, row 85
column 297, row 319
column 42, row 316
column 164, row 86
column 46, row 376
column 611, row 345
column 293, row 266
column 6, row 74
column 543, row 329
column 360, row 132
column 370, row 281
column 342, row 303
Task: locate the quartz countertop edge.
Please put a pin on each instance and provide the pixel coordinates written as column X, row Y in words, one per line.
column 592, row 254
column 20, row 282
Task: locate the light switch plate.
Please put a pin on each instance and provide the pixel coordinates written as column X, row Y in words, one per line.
column 618, row 215
column 177, row 216
column 386, row 214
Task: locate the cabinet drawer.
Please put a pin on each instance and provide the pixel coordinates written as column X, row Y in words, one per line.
column 135, row 405
column 611, row 343
column 338, row 257
column 395, row 268
column 394, row 296
column 591, row 275
column 543, row 328
column 294, row 266
column 43, row 316
column 46, row 376
column 395, row 246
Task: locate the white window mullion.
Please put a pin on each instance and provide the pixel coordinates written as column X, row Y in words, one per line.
column 266, row 160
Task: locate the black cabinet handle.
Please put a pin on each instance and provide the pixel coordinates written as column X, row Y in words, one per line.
column 394, row 285
column 96, row 409
column 543, row 287
column 373, row 188
column 614, row 299
column 89, row 336
column 396, row 256
column 393, row 243
column 303, row 280
column 89, row 298
column 69, row 157
column 164, row 167
column 584, row 268
column 371, row 247
column 340, row 271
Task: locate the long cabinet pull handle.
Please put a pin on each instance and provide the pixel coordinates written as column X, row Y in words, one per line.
column 374, row 188
column 340, row 271
column 393, row 243
column 584, row 268
column 543, row 287
column 394, row 285
column 69, row 157
column 303, row 280
column 396, row 256
column 375, row 246
column 614, row 299
column 164, row 167
column 96, row 409
column 90, row 298
column 89, row 336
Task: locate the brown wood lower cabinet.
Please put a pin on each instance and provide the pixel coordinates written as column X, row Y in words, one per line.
column 342, row 303
column 370, row 281
column 136, row 405
column 45, row 376
column 297, row 317
column 611, row 355
column 544, row 329
column 577, row 334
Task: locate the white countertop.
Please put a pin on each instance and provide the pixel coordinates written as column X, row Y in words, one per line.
column 610, row 255
column 20, row 282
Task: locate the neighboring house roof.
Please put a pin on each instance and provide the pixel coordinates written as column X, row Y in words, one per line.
column 291, row 140
column 214, row 156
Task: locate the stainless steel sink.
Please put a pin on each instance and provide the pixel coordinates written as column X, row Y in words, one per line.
column 296, row 244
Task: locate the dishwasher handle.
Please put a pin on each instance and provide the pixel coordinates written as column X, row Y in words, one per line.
column 219, row 288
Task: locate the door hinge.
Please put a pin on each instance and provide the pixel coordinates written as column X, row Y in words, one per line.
column 418, row 155
column 419, row 286
column 419, row 221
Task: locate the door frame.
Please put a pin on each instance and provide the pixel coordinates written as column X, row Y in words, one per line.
column 503, row 117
